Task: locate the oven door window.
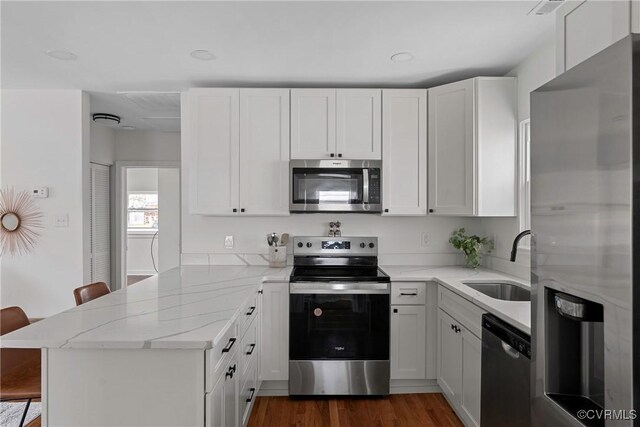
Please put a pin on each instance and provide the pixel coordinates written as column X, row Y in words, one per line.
column 339, row 326
column 327, row 186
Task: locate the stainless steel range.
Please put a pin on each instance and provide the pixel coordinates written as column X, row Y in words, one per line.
column 339, row 318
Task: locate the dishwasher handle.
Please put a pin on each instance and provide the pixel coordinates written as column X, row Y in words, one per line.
column 512, row 352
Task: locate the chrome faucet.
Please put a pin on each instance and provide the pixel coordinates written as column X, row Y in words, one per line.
column 514, row 248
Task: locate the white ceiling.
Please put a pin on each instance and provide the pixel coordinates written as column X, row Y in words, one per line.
column 145, row 46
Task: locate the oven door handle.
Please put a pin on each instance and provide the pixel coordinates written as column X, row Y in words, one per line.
column 365, row 186
column 339, row 288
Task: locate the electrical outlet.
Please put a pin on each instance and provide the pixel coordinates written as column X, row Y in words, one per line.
column 228, row 242
column 62, row 220
column 426, row 239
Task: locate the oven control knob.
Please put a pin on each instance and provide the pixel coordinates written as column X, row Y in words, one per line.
column 299, row 244
column 371, row 245
column 309, row 244
column 362, row 245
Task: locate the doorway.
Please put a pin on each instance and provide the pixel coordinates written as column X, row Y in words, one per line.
column 149, row 220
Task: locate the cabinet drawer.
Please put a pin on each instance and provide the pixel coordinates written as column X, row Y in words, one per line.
column 249, row 347
column 461, row 310
column 218, row 356
column 248, row 392
column 248, row 312
column 408, row 293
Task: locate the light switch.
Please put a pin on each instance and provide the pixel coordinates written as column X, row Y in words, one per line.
column 228, row 242
column 62, row 220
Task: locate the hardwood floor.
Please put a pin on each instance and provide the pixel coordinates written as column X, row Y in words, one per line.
column 398, row 410
column 133, row 279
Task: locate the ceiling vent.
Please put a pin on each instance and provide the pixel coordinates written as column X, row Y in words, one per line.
column 155, row 101
column 106, row 119
column 545, row 7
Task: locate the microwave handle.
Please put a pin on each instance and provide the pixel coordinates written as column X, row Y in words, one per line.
column 365, row 186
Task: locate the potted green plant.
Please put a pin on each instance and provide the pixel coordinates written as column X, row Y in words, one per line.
column 471, row 246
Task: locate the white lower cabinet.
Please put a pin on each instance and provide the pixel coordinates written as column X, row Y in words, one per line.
column 471, row 368
column 235, row 374
column 413, row 330
column 222, row 400
column 408, row 346
column 459, row 357
column 275, row 332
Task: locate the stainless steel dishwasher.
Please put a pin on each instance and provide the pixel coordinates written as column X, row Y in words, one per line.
column 506, row 367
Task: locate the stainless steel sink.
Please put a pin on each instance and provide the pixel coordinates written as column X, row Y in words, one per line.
column 501, row 290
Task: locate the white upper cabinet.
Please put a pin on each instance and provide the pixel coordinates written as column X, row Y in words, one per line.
column 584, row 28
column 264, row 151
column 236, row 146
column 313, row 123
column 358, row 124
column 451, row 148
column 472, row 147
column 211, row 140
column 404, row 142
column 335, row 123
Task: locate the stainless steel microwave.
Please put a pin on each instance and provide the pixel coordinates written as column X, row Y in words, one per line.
column 336, row 186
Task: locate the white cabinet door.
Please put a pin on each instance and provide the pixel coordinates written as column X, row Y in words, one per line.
column 213, row 142
column 313, row 123
column 404, row 145
column 231, row 392
column 449, row 357
column 275, row 332
column 471, row 369
column 358, row 124
column 408, row 328
column 264, row 152
column 451, row 166
column 214, row 400
column 584, row 28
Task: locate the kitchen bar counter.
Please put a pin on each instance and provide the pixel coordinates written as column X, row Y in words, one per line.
column 184, row 308
column 516, row 313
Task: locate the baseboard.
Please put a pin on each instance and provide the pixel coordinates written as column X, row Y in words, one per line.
column 281, row 388
column 414, row 386
column 274, row 388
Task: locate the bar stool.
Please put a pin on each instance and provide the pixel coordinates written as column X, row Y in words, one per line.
column 90, row 292
column 20, row 367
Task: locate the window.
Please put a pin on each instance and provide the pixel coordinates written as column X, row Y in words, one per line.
column 142, row 211
column 524, row 214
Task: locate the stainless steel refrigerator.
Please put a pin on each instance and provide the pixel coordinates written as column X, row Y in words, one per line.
column 585, row 198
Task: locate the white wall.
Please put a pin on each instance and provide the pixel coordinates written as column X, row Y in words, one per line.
column 536, row 70
column 146, row 145
column 103, row 144
column 45, row 142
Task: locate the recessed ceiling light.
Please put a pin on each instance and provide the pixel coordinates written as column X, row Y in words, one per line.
column 203, row 55
column 62, row 54
column 401, row 57
column 127, row 127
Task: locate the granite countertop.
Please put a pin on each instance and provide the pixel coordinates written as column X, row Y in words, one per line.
column 188, row 307
column 516, row 313
column 191, row 307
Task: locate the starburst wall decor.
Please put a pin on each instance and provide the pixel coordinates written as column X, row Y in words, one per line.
column 20, row 220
